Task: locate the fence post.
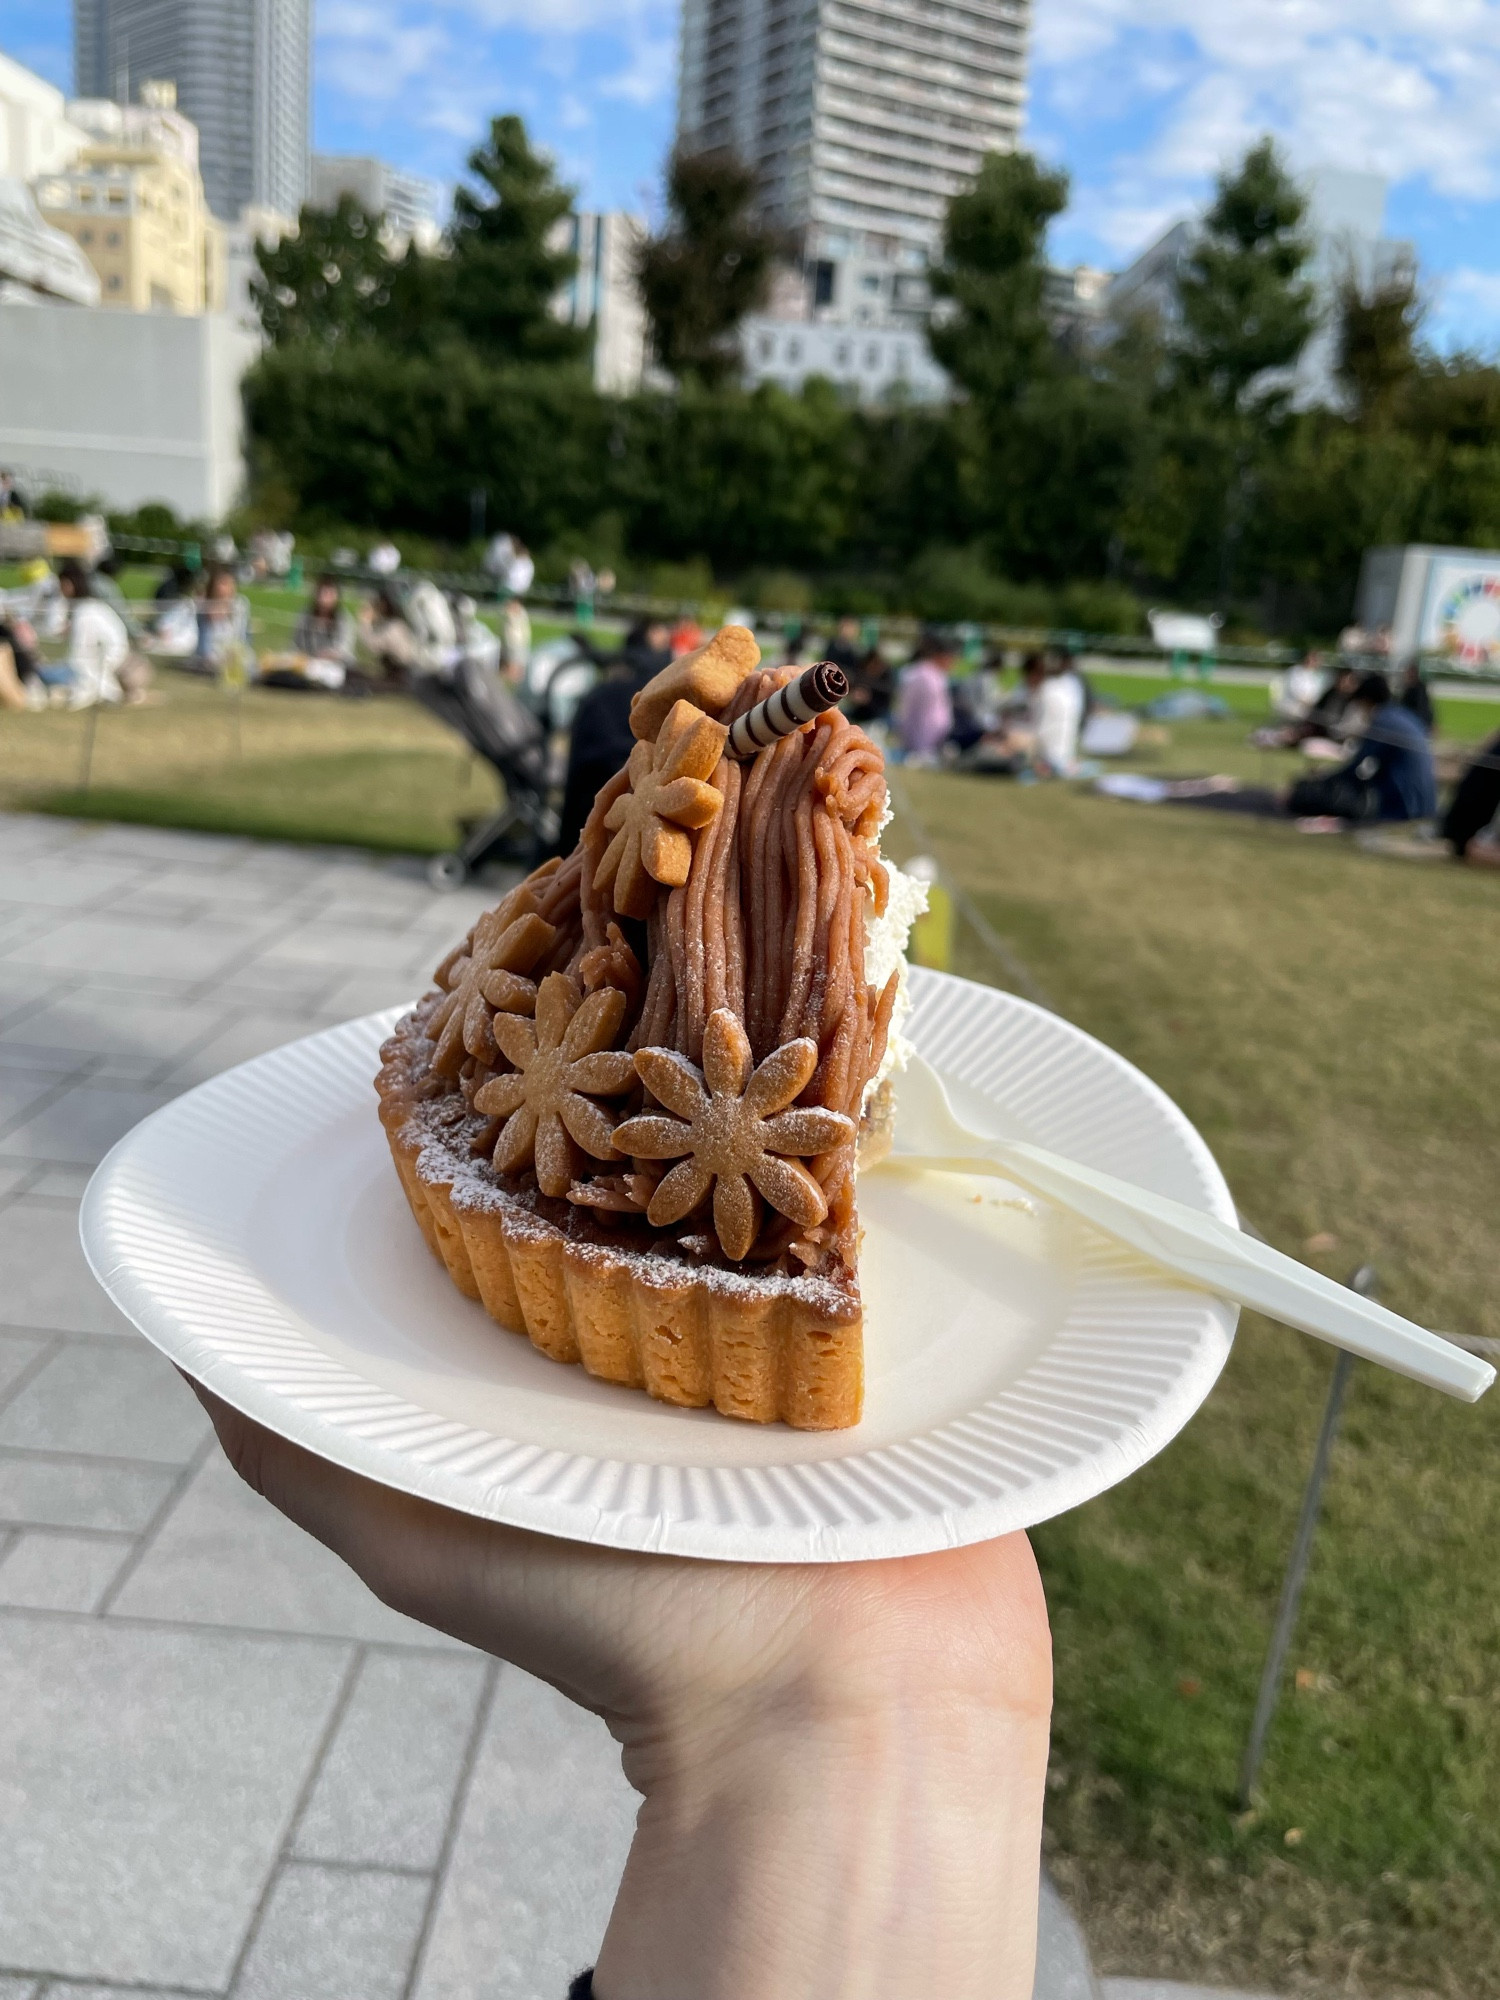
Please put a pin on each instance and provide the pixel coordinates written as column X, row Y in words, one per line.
column 1363, row 1282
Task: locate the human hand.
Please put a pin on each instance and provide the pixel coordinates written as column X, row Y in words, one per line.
column 842, row 1766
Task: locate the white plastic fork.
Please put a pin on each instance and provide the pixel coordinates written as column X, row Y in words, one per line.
column 1195, row 1247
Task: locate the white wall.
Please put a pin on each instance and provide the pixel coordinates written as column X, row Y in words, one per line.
column 131, row 406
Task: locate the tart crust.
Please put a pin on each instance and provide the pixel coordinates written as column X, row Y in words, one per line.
column 763, row 1347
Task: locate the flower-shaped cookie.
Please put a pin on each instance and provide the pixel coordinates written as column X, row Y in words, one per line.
column 668, row 796
column 489, row 976
column 731, row 1136
column 563, row 1063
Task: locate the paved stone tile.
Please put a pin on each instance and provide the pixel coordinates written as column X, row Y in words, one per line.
column 225, row 1557
column 166, row 847
column 47, row 1283
column 95, row 1020
column 69, row 1990
column 107, row 1399
column 540, row 1850
column 46, row 1572
column 69, row 1493
column 149, row 1777
column 25, row 1989
column 371, row 992
column 60, row 1183
column 386, row 1788
column 329, row 1935
column 58, row 882
column 23, row 1055
column 15, row 1175
column 375, row 948
column 98, row 946
column 238, row 1041
column 17, row 1352
column 20, row 1089
column 1063, row 1970
column 82, row 1124
column 279, row 988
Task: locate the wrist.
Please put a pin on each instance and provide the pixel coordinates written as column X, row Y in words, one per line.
column 878, row 1843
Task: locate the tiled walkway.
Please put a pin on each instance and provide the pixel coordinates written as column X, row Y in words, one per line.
column 225, row 1769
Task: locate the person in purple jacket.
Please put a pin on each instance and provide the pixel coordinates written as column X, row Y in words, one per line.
column 923, row 714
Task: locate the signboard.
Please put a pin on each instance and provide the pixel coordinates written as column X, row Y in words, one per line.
column 1461, row 610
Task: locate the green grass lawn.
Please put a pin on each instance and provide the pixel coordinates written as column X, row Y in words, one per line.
column 379, row 773
column 1329, row 1021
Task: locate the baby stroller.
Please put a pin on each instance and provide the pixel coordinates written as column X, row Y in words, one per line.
column 471, row 699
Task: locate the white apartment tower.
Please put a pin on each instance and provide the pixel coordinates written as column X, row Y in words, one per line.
column 243, row 70
column 862, row 118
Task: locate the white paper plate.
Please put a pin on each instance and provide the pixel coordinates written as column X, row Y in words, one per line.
column 255, row 1231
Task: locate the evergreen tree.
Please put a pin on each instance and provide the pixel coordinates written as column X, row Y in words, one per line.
column 1378, row 326
column 329, row 283
column 993, row 337
column 496, row 290
column 710, row 266
column 1246, row 308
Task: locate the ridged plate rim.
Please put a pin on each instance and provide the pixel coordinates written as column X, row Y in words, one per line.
column 1134, row 1359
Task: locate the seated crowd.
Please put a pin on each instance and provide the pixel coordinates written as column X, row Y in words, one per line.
column 69, row 637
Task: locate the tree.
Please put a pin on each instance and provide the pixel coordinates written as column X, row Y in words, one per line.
column 1378, row 326
column 328, row 283
column 710, row 266
column 993, row 338
column 497, row 289
column 1246, row 309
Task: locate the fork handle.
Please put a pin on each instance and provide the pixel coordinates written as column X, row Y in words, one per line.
column 1216, row 1258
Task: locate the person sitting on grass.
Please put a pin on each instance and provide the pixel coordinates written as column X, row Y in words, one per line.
column 1388, row 776
column 1471, row 825
column 1416, row 697
column 223, row 625
column 325, row 630
column 101, row 665
column 20, row 679
column 923, row 714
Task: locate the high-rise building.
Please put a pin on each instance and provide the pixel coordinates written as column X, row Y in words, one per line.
column 603, row 294
column 243, row 70
column 862, row 118
column 133, row 203
column 407, row 201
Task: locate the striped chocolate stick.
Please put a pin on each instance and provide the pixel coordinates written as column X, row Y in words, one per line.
column 822, row 687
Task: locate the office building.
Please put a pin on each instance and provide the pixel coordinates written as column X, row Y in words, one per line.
column 38, row 264
column 407, row 201
column 36, row 134
column 603, row 294
column 863, row 118
column 243, row 70
column 133, row 202
column 872, row 364
column 1345, row 222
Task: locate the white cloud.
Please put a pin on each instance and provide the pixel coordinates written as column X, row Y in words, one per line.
column 1406, row 88
column 1478, row 292
column 650, row 73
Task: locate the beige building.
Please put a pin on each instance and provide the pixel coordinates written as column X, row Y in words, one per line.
column 132, row 200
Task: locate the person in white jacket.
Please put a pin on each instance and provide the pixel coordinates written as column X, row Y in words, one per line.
column 98, row 643
column 1056, row 718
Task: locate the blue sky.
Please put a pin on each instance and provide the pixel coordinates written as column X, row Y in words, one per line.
column 1140, row 99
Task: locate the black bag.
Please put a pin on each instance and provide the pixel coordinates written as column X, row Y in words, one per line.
column 1341, row 795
